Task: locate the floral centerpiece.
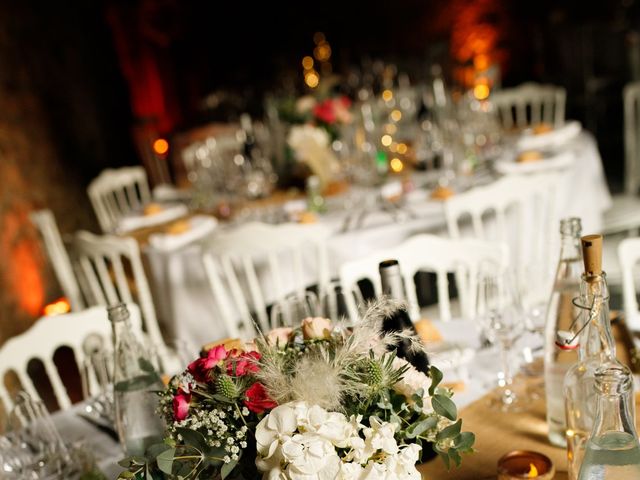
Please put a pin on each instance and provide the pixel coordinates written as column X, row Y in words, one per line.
column 319, row 401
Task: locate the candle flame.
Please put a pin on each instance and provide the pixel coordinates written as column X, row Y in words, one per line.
column 533, row 471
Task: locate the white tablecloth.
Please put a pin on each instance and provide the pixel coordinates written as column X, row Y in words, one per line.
column 184, row 301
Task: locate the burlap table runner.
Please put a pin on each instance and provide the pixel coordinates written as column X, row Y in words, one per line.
column 496, row 434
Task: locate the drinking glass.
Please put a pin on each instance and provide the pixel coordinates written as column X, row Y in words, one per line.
column 500, row 317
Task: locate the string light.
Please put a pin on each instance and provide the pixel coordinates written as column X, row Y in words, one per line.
column 402, row 148
column 311, row 78
column 396, row 115
column 481, row 91
column 160, row 146
column 58, row 307
column 386, row 140
column 396, row 164
column 387, row 95
column 307, row 63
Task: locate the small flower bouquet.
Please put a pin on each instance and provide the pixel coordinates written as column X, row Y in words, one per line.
column 319, row 401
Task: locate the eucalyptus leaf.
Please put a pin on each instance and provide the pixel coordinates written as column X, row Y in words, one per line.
column 419, row 428
column 450, row 431
column 455, row 456
column 192, row 438
column 227, row 468
column 165, row 460
column 436, row 377
column 464, row 442
column 444, row 406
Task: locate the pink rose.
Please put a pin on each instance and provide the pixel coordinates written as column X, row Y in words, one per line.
column 181, row 402
column 201, row 367
column 316, row 328
column 257, row 400
column 279, row 337
column 244, row 363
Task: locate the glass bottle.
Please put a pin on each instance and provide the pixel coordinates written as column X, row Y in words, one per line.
column 315, row 200
column 393, row 287
column 613, row 449
column 596, row 349
column 559, row 316
column 135, row 382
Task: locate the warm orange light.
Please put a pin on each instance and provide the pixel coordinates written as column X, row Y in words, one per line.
column 533, row 471
column 396, row 115
column 386, row 140
column 396, row 164
column 311, row 78
column 58, row 307
column 322, row 52
column 481, row 62
column 161, row 146
column 402, row 148
column 390, row 128
column 307, row 63
column 387, row 95
column 318, row 38
column 481, row 91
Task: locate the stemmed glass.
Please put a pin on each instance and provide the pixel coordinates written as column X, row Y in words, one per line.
column 500, row 316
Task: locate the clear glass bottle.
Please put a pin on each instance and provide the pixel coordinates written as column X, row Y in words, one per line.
column 559, row 316
column 613, row 449
column 136, row 382
column 596, row 349
column 315, row 200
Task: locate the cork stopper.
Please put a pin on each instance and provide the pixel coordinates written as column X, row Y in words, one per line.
column 592, row 254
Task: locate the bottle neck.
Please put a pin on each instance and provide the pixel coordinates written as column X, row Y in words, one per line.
column 596, row 340
column 391, row 280
column 614, row 408
column 570, row 247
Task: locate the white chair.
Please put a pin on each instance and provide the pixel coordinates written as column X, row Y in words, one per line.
column 116, row 192
column 518, row 210
column 58, row 256
column 530, row 104
column 101, row 262
column 257, row 264
column 629, row 255
column 45, row 337
column 427, row 253
column 624, row 214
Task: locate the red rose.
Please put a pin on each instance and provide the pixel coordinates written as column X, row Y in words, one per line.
column 324, row 111
column 246, row 362
column 200, row 368
column 257, row 400
column 181, row 402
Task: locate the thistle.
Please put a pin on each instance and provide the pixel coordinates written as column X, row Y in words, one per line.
column 374, row 375
column 226, row 387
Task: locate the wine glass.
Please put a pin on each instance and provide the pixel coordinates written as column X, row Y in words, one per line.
column 500, row 317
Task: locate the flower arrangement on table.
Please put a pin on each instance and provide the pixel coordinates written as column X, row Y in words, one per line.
column 315, row 122
column 319, row 401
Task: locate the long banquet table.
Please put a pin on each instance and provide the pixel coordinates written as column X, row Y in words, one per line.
column 184, row 302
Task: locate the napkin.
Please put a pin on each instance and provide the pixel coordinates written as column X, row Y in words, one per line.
column 165, row 214
column 553, row 139
column 198, row 227
column 506, row 165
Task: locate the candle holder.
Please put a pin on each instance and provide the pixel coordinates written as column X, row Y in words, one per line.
column 521, row 464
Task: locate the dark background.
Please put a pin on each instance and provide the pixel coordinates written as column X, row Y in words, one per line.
column 99, row 68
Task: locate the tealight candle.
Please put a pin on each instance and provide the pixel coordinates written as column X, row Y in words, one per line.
column 521, row 464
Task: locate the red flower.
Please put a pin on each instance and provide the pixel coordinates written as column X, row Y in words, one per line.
column 246, row 362
column 200, row 368
column 181, row 402
column 324, row 111
column 257, row 400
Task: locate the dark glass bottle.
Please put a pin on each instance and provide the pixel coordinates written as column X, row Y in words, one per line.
column 393, row 287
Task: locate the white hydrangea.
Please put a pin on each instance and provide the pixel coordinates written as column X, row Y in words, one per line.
column 298, row 441
column 412, row 381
